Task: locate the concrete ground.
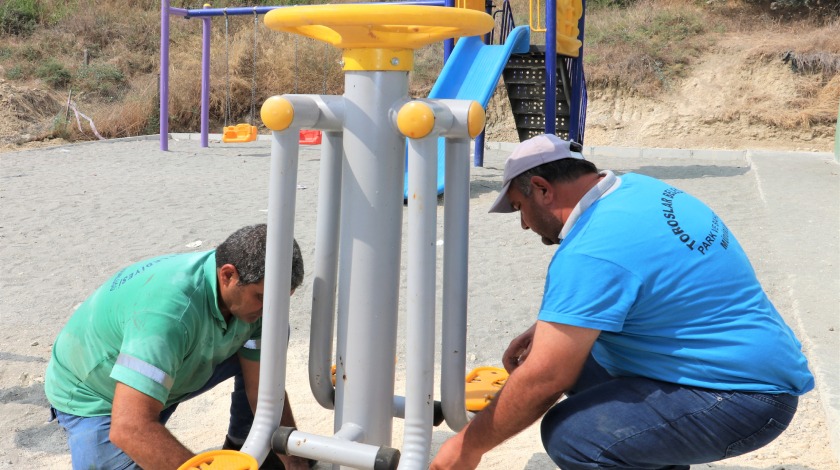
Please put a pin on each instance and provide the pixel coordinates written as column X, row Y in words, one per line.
column 784, row 208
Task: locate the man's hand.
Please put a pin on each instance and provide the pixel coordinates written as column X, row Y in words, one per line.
column 532, row 388
column 518, row 350
column 136, row 430
column 453, row 455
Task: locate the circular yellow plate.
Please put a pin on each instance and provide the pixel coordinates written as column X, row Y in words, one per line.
column 379, row 26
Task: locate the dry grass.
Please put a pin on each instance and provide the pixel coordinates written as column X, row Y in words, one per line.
column 644, row 48
column 813, row 53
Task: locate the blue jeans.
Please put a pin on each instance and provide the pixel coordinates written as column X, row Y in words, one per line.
column 91, row 448
column 637, row 423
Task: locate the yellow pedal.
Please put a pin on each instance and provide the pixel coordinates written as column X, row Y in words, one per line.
column 239, row 133
column 483, row 383
column 221, row 460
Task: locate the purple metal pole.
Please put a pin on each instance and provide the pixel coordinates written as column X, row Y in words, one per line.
column 205, row 80
column 550, row 66
column 164, row 75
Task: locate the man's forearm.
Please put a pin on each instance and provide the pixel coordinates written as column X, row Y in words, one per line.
column 522, row 401
column 153, row 447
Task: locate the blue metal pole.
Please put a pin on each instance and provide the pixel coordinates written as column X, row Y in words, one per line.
column 550, row 67
column 576, row 106
column 478, row 156
column 448, row 44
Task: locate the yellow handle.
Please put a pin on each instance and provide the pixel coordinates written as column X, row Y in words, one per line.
column 379, row 26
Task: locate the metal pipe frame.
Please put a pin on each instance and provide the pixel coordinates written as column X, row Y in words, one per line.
column 325, row 276
column 369, row 253
column 455, row 275
column 278, row 261
column 420, row 300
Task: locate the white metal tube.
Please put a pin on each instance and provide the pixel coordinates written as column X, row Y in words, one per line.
column 278, row 271
column 455, row 254
column 332, row 449
column 420, row 302
column 369, row 253
column 325, row 270
column 323, row 112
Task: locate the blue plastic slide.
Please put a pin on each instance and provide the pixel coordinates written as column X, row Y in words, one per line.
column 471, row 73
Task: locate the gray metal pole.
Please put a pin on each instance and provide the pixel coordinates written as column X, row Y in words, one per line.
column 282, row 184
column 455, row 256
column 369, row 252
column 420, row 301
column 326, row 270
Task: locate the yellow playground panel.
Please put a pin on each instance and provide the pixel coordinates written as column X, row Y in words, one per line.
column 569, row 13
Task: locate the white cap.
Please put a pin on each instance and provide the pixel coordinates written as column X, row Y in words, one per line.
column 530, row 154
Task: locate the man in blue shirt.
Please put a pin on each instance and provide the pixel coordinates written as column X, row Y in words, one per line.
column 653, row 324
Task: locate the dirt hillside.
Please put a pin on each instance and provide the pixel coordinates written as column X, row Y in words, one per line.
column 714, row 106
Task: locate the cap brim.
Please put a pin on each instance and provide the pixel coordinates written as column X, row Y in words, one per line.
column 502, row 203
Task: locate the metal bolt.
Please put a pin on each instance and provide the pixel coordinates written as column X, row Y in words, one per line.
column 395, row 61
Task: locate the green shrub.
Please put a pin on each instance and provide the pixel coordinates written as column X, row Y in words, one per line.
column 30, row 53
column 19, row 17
column 54, row 73
column 15, row 73
column 101, row 80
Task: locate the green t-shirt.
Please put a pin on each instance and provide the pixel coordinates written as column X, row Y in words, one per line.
column 154, row 326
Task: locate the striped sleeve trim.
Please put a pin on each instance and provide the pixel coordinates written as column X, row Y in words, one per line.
column 145, row 369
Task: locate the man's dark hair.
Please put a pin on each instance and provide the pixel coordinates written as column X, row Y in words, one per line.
column 559, row 171
column 245, row 250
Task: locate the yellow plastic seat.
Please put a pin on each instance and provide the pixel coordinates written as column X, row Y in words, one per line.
column 221, row 460
column 483, row 383
column 239, row 133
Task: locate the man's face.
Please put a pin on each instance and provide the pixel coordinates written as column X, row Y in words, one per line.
column 534, row 214
column 246, row 301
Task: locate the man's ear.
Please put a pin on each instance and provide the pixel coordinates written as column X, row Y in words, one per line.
column 228, row 274
column 543, row 190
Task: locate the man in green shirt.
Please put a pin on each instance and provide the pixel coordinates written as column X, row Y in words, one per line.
column 154, row 335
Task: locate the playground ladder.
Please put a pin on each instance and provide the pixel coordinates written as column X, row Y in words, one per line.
column 525, row 82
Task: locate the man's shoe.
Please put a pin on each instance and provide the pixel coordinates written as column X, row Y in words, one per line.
column 272, row 461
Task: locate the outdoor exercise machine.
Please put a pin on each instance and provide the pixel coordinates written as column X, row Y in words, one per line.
column 358, row 239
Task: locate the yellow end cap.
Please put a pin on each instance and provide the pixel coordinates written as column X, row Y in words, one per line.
column 277, row 113
column 377, row 59
column 475, row 119
column 416, row 120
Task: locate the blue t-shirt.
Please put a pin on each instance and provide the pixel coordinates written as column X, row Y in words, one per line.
column 673, row 293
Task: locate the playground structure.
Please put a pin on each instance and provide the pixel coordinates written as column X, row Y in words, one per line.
column 547, row 91
column 364, row 183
